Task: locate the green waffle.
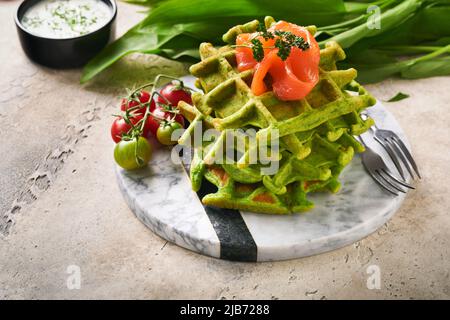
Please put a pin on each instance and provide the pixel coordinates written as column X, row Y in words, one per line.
column 316, row 133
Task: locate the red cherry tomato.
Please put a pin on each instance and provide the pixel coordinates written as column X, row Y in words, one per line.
column 120, row 127
column 153, row 125
column 143, row 97
column 159, row 112
column 173, row 93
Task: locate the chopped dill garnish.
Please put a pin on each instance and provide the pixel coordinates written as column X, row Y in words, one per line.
column 284, row 42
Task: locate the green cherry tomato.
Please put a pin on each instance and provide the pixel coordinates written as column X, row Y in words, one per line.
column 133, row 154
column 164, row 133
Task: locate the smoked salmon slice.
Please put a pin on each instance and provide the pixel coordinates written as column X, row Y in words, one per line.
column 291, row 79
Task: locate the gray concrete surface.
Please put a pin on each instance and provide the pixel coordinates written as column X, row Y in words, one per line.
column 60, row 205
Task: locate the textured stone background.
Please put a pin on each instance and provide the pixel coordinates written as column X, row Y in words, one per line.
column 60, row 205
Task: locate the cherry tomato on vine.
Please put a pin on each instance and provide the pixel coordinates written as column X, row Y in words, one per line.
column 133, row 154
column 121, row 127
column 173, row 93
column 164, row 133
column 154, row 123
column 143, row 97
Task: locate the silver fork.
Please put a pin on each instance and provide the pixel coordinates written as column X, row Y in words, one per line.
column 396, row 150
column 379, row 171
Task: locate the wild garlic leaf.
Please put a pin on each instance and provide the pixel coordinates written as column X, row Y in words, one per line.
column 399, row 96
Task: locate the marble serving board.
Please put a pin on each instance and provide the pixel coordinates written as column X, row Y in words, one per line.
column 160, row 196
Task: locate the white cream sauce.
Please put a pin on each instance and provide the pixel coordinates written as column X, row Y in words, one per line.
column 60, row 19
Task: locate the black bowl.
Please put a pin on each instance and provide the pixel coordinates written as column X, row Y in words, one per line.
column 64, row 53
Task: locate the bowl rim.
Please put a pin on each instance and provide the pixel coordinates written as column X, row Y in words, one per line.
column 19, row 24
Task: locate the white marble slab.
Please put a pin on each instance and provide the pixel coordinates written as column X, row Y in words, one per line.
column 161, row 197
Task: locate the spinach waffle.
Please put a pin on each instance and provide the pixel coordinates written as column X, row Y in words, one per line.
column 316, row 134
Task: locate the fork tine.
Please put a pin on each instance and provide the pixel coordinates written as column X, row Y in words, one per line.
column 407, row 154
column 393, row 184
column 381, row 183
column 397, row 180
column 402, row 157
column 391, row 154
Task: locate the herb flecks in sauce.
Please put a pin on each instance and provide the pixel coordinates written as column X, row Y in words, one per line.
column 66, row 18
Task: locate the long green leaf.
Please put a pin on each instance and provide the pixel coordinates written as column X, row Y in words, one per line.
column 175, row 11
column 388, row 20
column 399, row 96
column 371, row 71
column 136, row 39
column 429, row 24
column 430, row 68
column 147, row 3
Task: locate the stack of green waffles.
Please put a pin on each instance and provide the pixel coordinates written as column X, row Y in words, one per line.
column 316, row 134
